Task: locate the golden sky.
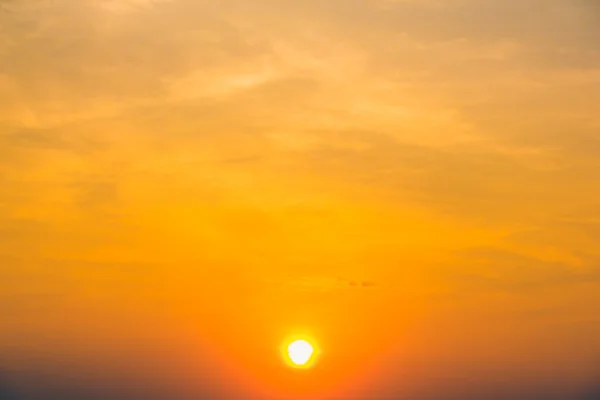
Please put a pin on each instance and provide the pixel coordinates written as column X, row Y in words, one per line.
column 413, row 183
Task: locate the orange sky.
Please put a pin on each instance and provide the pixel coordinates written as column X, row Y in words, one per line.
column 186, row 183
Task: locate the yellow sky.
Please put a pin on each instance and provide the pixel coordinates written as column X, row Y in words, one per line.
column 414, row 182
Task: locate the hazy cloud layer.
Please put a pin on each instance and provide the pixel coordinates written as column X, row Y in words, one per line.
column 441, row 155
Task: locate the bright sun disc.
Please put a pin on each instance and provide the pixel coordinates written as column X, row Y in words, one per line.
column 300, row 352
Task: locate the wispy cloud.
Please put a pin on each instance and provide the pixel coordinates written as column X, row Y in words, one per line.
column 413, row 148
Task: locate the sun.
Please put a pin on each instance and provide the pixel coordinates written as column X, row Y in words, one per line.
column 300, row 353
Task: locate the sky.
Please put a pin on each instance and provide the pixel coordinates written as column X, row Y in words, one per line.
column 413, row 184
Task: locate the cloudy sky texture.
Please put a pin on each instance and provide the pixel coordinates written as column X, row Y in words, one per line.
column 416, row 183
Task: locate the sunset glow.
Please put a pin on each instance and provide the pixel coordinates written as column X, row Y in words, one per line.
column 189, row 189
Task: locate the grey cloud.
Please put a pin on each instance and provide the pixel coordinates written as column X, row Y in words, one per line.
column 69, row 52
column 504, row 271
column 578, row 238
column 96, row 194
column 551, row 33
column 358, row 283
column 16, row 139
column 533, row 22
column 32, row 138
column 324, row 283
column 461, row 181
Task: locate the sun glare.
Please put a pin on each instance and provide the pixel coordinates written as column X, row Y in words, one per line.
column 300, row 353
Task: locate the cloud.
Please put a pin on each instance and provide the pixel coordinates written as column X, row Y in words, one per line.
column 422, row 149
column 454, row 107
column 498, row 270
column 325, row 284
column 361, row 284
